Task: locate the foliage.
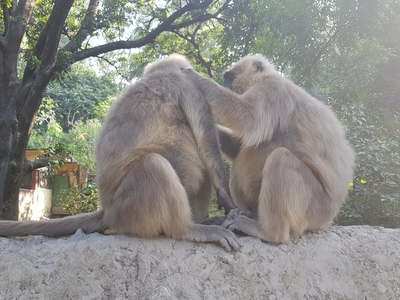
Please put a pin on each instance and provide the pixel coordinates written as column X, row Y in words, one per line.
column 76, row 201
column 78, row 94
column 374, row 195
column 81, row 143
column 89, row 97
column 78, row 142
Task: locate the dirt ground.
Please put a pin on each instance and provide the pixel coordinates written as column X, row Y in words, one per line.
column 358, row 262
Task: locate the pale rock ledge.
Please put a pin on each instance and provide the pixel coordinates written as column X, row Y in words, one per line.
column 358, row 262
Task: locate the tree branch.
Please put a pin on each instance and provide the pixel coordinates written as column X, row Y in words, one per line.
column 334, row 36
column 165, row 26
column 197, row 53
column 114, row 66
column 201, row 18
column 18, row 17
column 29, row 166
column 38, row 163
column 54, row 28
column 87, row 27
column 15, row 21
column 47, row 44
column 6, row 20
column 308, row 70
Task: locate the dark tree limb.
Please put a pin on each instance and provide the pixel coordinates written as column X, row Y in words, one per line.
column 37, row 164
column 6, row 20
column 28, row 166
column 46, row 46
column 46, row 51
column 54, row 28
column 87, row 27
column 18, row 19
column 149, row 38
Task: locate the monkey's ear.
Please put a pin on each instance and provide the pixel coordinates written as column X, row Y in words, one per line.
column 259, row 66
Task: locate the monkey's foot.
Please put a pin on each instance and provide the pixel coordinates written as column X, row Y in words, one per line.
column 216, row 234
column 245, row 225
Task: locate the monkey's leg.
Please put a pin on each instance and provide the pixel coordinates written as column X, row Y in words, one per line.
column 200, row 199
column 288, row 188
column 151, row 200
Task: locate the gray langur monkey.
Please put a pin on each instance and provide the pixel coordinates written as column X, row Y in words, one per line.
column 291, row 163
column 157, row 158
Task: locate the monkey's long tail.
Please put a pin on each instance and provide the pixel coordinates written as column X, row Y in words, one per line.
column 88, row 222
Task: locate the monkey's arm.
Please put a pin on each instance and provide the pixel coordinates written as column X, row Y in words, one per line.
column 246, row 115
column 230, row 145
column 199, row 116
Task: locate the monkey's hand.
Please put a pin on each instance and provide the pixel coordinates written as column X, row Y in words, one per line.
column 224, row 200
column 193, row 76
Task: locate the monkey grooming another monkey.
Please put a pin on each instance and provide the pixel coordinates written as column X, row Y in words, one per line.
column 157, row 158
column 291, row 162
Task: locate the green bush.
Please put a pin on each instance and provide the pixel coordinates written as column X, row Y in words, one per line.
column 367, row 211
column 374, row 195
column 76, row 201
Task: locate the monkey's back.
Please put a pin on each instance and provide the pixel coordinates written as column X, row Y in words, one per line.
column 147, row 118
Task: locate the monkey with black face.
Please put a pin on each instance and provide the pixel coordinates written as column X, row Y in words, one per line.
column 291, row 162
column 157, row 159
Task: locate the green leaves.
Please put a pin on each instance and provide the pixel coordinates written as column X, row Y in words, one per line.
column 6, row 3
column 70, row 116
column 77, row 94
column 76, row 201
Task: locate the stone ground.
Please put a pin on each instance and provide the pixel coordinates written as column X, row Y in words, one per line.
column 355, row 262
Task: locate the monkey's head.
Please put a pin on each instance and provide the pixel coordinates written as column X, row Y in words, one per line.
column 247, row 72
column 173, row 62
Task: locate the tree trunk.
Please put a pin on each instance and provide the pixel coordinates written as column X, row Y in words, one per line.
column 8, row 124
column 11, row 197
column 14, row 136
column 6, row 129
column 13, row 163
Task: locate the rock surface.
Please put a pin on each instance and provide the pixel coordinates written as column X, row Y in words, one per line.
column 359, row 262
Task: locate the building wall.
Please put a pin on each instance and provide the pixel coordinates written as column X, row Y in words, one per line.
column 35, row 197
column 34, row 204
column 77, row 174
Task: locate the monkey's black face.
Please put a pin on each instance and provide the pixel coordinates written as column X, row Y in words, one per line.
column 229, row 77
